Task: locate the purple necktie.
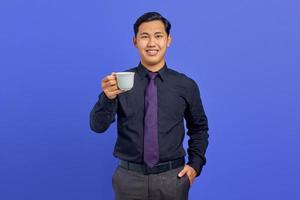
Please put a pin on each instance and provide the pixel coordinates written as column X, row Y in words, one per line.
column 151, row 152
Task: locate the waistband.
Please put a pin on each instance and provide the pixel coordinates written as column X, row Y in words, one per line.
column 159, row 168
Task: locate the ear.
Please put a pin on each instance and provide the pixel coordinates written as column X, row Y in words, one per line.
column 134, row 41
column 169, row 40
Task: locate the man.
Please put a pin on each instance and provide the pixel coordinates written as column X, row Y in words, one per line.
column 151, row 121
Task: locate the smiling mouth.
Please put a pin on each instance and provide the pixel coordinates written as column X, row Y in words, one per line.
column 152, row 52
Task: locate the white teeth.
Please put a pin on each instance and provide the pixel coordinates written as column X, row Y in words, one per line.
column 152, row 52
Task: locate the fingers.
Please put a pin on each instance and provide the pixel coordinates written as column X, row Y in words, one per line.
column 113, row 94
column 109, row 86
column 109, row 83
column 186, row 171
column 189, row 171
column 182, row 172
column 109, row 77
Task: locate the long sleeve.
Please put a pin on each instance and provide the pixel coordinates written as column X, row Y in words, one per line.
column 103, row 113
column 197, row 125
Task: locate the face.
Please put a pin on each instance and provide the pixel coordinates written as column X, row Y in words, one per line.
column 152, row 42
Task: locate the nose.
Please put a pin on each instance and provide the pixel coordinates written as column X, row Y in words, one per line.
column 151, row 42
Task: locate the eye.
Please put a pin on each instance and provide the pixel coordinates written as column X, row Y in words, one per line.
column 144, row 36
column 159, row 36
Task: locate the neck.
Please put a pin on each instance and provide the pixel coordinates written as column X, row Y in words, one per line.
column 154, row 68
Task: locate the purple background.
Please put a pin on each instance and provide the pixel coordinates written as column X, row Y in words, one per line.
column 243, row 54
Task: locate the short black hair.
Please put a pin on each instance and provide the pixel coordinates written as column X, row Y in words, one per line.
column 151, row 16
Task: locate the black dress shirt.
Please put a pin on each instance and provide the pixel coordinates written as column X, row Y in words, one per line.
column 178, row 99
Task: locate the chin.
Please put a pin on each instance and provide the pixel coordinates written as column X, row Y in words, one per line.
column 153, row 61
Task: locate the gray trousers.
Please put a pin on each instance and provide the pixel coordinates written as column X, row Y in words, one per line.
column 131, row 185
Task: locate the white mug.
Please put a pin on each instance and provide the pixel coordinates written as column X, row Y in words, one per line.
column 125, row 80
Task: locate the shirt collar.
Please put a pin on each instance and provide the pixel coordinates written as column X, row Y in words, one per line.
column 143, row 71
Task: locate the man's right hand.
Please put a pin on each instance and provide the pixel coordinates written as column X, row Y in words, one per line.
column 109, row 86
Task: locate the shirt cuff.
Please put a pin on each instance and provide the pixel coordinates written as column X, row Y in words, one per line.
column 105, row 100
column 197, row 166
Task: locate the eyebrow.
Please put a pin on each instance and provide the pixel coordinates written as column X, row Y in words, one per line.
column 145, row 33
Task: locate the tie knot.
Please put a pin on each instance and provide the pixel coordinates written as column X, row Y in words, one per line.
column 152, row 75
